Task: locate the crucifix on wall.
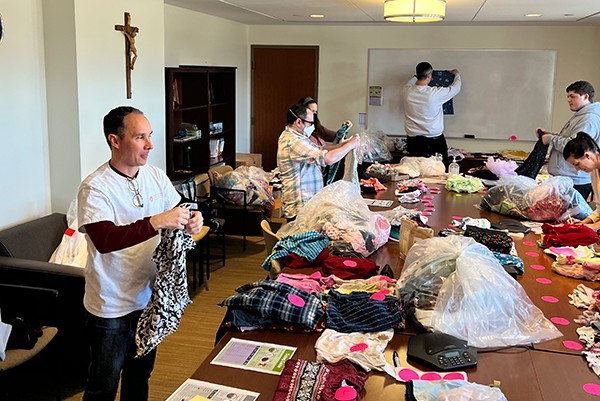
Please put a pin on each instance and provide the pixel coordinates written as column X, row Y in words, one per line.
column 130, row 50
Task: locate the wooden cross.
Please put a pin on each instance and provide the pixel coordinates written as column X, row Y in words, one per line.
column 130, row 50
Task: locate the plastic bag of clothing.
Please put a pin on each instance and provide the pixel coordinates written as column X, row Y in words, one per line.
column 374, row 147
column 339, row 212
column 480, row 303
column 254, row 181
column 451, row 390
column 501, row 168
column 421, row 166
column 553, row 199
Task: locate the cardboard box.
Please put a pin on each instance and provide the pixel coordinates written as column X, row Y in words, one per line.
column 248, row 159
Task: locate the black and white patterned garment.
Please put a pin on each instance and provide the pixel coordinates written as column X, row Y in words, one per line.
column 170, row 294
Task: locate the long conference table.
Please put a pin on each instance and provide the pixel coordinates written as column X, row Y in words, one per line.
column 549, row 371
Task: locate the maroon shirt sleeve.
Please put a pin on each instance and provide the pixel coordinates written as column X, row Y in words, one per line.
column 108, row 237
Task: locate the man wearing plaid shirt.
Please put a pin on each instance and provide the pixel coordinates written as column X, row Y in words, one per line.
column 300, row 161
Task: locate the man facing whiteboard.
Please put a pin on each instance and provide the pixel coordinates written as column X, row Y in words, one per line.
column 423, row 114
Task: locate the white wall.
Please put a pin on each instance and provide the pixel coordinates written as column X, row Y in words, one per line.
column 344, row 54
column 24, row 162
column 193, row 38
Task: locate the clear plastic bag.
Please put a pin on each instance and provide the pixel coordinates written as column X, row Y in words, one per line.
column 421, row 166
column 253, row 180
column 553, row 199
column 454, row 390
column 501, row 168
column 72, row 249
column 374, row 147
column 480, row 303
column 339, row 212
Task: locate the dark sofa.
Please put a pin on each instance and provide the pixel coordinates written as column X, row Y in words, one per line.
column 24, row 253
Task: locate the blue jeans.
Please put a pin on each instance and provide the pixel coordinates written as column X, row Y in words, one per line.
column 112, row 351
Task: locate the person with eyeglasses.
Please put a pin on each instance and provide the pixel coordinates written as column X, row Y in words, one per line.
column 122, row 206
column 300, row 161
column 321, row 134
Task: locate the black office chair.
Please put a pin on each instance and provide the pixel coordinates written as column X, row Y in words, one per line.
column 38, row 307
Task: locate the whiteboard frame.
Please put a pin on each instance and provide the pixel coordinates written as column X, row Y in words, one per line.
column 515, row 76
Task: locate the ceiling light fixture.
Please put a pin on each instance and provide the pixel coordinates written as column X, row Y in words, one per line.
column 533, row 15
column 414, row 10
column 317, row 16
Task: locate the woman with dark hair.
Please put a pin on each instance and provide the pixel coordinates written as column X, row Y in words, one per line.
column 584, row 154
column 321, row 133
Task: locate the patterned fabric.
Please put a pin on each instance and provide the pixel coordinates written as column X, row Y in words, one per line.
column 329, row 172
column 497, row 241
column 315, row 381
column 536, row 159
column 510, row 260
column 357, row 311
column 299, row 162
column 278, row 301
column 170, row 295
column 308, row 244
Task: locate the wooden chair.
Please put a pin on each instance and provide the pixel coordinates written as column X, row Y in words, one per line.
column 36, row 305
column 270, row 237
column 198, row 253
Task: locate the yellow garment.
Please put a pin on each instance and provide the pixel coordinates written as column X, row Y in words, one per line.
column 514, row 154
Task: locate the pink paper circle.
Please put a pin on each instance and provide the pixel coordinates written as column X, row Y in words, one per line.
column 532, row 254
column 592, row 388
column 528, row 243
column 296, row 300
column 345, row 393
column 538, row 267
column 407, row 375
column 426, row 213
column 454, row 376
column 386, row 278
column 427, row 197
column 434, row 188
column 349, row 263
column 378, row 296
column 456, row 218
column 543, row 280
column 561, row 321
column 574, row 345
column 550, row 299
column 359, row 347
column 429, row 209
column 431, row 376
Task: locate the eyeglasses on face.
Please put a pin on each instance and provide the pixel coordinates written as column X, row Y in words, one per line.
column 134, row 186
column 301, row 119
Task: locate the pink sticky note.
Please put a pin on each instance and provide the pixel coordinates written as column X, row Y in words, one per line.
column 456, row 218
column 378, row 296
column 543, row 280
column 296, row 300
column 427, row 197
column 549, row 299
column 592, row 388
column 561, row 321
column 574, row 345
column 537, row 267
column 455, row 376
column 528, row 243
column 345, row 393
column 532, row 254
column 407, row 375
column 431, row 376
column 426, row 213
column 359, row 347
column 349, row 263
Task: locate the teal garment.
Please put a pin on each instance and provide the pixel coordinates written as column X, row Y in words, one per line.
column 330, row 171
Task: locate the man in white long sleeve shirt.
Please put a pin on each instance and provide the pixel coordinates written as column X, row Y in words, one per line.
column 423, row 114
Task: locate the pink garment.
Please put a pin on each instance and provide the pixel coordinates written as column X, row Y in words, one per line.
column 566, row 251
column 313, row 283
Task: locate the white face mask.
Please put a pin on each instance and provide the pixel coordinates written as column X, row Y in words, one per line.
column 309, row 130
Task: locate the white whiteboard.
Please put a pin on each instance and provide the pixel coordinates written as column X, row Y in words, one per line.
column 504, row 92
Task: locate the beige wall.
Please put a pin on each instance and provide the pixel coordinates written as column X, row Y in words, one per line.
column 344, row 56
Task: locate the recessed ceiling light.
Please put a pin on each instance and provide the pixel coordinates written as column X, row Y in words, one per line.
column 317, row 16
column 533, row 15
column 569, row 15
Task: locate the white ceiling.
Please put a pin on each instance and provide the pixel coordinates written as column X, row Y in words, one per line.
column 458, row 12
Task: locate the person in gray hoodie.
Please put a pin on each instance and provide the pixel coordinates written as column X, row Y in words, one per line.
column 586, row 118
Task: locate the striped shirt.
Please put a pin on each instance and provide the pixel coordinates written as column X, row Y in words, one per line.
column 299, row 162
